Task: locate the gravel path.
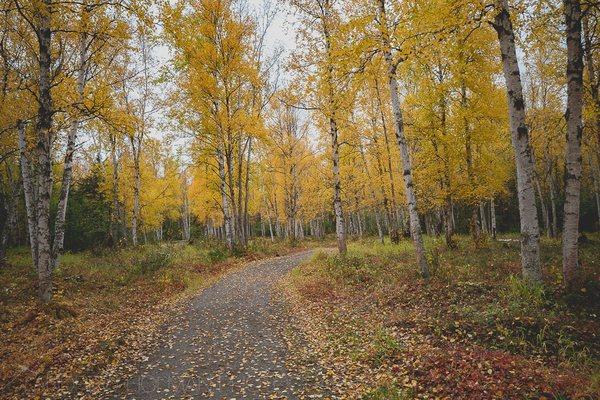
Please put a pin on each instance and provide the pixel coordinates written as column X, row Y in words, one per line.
column 229, row 344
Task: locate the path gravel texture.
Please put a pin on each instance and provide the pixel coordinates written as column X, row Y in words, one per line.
column 231, row 343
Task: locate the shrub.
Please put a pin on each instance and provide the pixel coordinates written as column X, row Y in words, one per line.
column 153, row 258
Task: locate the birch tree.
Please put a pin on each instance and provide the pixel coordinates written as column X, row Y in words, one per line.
column 322, row 31
column 409, row 189
column 530, row 234
column 573, row 116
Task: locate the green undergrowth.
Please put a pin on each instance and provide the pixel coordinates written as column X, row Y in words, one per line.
column 107, row 303
column 173, row 266
column 475, row 297
column 388, row 392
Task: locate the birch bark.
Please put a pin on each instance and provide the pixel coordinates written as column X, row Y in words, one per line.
column 573, row 117
column 59, row 224
column 530, row 234
column 493, row 217
column 415, row 225
column 30, row 198
column 43, row 168
column 340, row 225
column 225, row 201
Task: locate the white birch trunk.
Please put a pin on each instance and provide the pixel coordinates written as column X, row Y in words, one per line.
column 59, row 224
column 484, row 223
column 225, row 202
column 137, row 183
column 28, row 190
column 530, row 234
column 573, row 115
column 493, row 217
column 553, row 205
column 545, row 214
column 340, row 225
column 115, row 212
column 185, row 211
column 411, row 199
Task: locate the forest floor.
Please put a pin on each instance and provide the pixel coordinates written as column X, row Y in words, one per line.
column 110, row 313
column 187, row 321
column 474, row 331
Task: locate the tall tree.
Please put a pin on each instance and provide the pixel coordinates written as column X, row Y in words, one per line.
column 573, row 116
column 409, row 189
column 530, row 232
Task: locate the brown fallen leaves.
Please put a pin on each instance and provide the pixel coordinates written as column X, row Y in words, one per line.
column 95, row 330
column 388, row 335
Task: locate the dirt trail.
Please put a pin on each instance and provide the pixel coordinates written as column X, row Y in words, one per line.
column 229, row 344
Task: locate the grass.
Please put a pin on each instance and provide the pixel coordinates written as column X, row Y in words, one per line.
column 387, row 392
column 475, row 310
column 107, row 305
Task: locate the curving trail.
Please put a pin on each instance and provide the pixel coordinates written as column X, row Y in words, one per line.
column 229, row 344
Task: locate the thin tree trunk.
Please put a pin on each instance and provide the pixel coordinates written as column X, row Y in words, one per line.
column 474, row 221
column 10, row 223
column 137, row 183
column 595, row 168
column 61, row 213
column 379, row 228
column 415, row 225
column 185, row 211
column 484, row 223
column 246, row 188
column 340, row 225
column 544, row 209
column 394, row 222
column 493, row 217
column 225, row 202
column 573, row 115
column 28, row 189
column 530, row 234
column 553, row 204
column 115, row 221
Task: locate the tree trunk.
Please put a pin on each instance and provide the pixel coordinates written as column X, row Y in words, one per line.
column 44, row 158
column 415, row 225
column 493, row 218
column 185, row 211
column 116, row 226
column 225, row 202
column 61, row 212
column 28, row 189
column 393, row 221
column 137, row 183
column 246, row 189
column 573, row 115
column 530, row 234
column 340, row 225
column 484, row 223
column 379, row 228
column 474, row 221
column 553, row 205
column 447, row 182
column 544, row 209
column 271, row 230
column 8, row 200
column 595, row 168
column 448, row 225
